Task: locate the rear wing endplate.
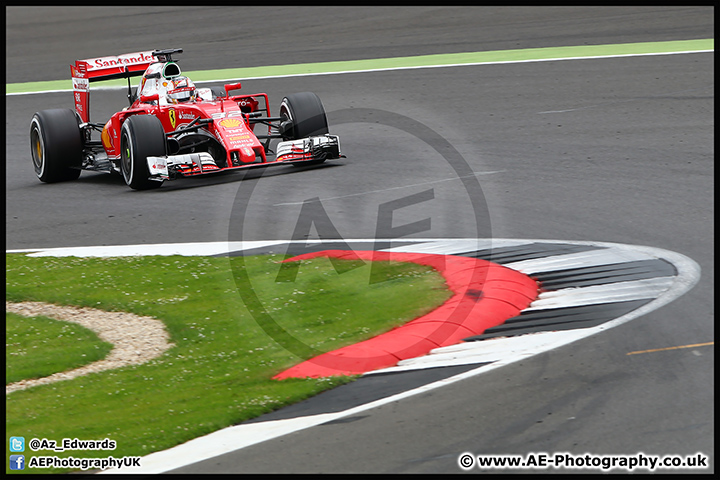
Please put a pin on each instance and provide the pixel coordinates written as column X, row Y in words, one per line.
column 104, row 68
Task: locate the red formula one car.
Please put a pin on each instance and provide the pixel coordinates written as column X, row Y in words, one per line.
column 173, row 129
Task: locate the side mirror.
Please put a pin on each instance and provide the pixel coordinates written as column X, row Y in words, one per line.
column 150, row 98
column 231, row 86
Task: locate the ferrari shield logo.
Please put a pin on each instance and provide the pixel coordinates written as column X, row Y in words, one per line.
column 172, row 116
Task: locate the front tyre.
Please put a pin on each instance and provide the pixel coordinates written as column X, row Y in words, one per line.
column 142, row 136
column 56, row 145
column 303, row 115
column 306, row 115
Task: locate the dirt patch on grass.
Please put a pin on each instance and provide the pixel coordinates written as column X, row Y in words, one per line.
column 135, row 339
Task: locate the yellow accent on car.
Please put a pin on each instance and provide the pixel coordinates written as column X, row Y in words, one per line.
column 105, row 137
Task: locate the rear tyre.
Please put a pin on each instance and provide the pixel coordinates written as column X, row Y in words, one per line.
column 142, row 136
column 56, row 145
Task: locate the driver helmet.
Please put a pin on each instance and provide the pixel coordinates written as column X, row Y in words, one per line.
column 180, row 90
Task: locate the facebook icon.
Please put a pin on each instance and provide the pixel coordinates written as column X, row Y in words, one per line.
column 17, row 462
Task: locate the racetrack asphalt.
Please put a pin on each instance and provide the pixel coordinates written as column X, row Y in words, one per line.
column 617, row 150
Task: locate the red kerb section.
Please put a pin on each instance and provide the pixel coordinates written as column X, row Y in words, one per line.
column 485, row 295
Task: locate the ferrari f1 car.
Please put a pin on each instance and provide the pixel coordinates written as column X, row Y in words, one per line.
column 172, row 129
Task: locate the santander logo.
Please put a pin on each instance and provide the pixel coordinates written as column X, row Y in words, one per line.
column 129, row 59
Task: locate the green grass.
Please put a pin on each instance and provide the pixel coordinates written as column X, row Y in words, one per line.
column 219, row 371
column 38, row 347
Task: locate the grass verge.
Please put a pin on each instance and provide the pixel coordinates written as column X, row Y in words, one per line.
column 219, row 372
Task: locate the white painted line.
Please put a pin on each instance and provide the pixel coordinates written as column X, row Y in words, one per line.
column 456, row 246
column 390, row 69
column 446, row 65
column 219, row 248
column 221, row 442
column 597, row 294
column 590, row 258
column 490, row 350
column 164, row 249
column 187, row 249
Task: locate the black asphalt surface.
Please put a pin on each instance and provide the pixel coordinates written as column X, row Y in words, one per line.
column 614, row 150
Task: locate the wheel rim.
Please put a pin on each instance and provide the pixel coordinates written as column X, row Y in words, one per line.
column 37, row 148
column 285, row 112
column 126, row 158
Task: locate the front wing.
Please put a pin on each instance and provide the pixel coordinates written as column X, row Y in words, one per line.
column 323, row 147
column 309, row 150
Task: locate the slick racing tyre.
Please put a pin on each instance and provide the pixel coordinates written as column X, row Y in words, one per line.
column 142, row 136
column 56, row 145
column 303, row 116
column 306, row 115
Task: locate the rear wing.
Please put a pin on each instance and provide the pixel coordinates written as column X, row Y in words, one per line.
column 105, row 68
